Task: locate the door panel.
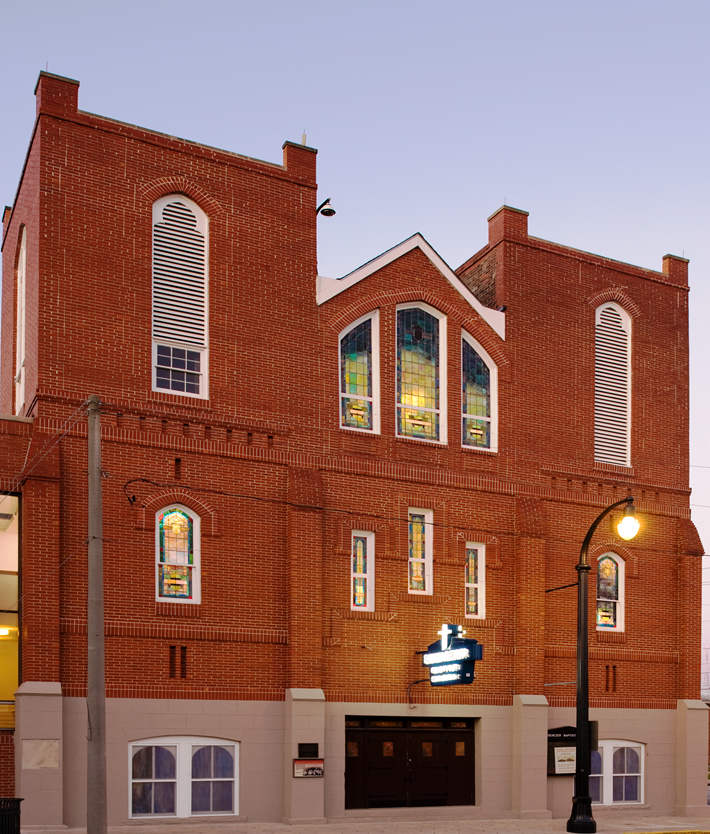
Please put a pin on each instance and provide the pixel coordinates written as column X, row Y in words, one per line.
column 386, row 769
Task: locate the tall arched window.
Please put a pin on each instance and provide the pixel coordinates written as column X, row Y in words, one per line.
column 610, row 592
column 612, row 385
column 421, row 372
column 360, row 374
column 479, row 383
column 20, row 331
column 179, row 296
column 177, row 545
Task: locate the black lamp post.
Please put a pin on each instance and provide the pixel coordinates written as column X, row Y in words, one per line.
column 581, row 819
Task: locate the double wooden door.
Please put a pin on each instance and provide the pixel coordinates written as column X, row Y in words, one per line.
column 407, row 766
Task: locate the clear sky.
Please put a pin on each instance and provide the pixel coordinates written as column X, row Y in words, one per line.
column 590, row 114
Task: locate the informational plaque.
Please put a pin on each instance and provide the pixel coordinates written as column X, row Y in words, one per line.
column 307, row 768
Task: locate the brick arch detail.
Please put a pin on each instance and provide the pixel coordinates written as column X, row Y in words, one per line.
column 156, row 189
column 610, row 547
column 473, row 325
column 145, row 514
column 615, row 294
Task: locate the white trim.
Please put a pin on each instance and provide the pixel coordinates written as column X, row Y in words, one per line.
column 21, row 324
column 202, row 226
column 196, row 552
column 607, row 747
column 620, row 605
column 443, row 373
column 481, row 585
column 328, row 288
column 493, row 370
column 428, row 549
column 374, row 316
column 183, row 774
column 369, row 574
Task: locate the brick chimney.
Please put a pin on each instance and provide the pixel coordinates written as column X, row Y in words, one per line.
column 56, row 95
column 676, row 268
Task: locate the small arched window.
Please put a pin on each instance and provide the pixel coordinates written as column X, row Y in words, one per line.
column 179, row 297
column 479, row 383
column 421, row 372
column 617, row 772
column 612, row 385
column 610, row 592
column 177, row 569
column 360, row 375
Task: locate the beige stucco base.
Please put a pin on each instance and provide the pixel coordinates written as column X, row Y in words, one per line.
column 510, row 747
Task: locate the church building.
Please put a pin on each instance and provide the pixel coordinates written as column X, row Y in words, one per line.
column 309, row 484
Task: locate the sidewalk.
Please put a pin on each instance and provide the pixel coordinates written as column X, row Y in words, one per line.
column 607, row 823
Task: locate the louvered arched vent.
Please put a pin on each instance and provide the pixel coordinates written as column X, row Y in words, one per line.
column 612, row 386
column 179, row 296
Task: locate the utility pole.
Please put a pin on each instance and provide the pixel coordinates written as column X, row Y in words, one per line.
column 96, row 674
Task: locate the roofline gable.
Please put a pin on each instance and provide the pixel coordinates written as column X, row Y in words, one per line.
column 328, row 288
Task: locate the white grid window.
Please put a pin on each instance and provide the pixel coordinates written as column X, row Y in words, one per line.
column 183, row 776
column 421, row 551
column 617, row 773
column 180, row 238
column 475, row 580
column 362, row 569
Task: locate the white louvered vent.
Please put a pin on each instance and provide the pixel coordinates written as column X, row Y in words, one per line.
column 179, row 277
column 612, row 386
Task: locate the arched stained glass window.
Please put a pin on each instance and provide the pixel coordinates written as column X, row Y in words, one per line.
column 356, row 377
column 177, row 555
column 610, row 579
column 476, row 385
column 420, row 387
column 363, row 570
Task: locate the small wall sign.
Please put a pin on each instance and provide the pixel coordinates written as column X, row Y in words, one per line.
column 307, row 768
column 452, row 659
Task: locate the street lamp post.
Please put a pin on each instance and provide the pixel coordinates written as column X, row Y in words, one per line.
column 581, row 820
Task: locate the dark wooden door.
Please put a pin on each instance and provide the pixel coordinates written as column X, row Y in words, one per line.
column 405, row 767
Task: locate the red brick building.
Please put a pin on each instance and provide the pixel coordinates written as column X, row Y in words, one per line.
column 305, row 478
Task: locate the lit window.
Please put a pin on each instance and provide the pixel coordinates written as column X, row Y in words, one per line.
column 610, row 592
column 616, row 774
column 363, row 570
column 612, row 385
column 475, row 580
column 20, row 332
column 177, row 555
column 421, row 373
column 421, row 550
column 359, row 375
column 180, row 776
column 479, row 378
column 179, row 297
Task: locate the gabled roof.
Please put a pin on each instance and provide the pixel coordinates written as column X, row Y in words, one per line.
column 328, row 288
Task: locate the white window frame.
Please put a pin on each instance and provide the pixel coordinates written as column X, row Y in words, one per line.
column 443, row 378
column 600, row 455
column 183, row 774
column 21, row 327
column 606, row 749
column 493, row 371
column 620, row 611
column 369, row 574
column 374, row 316
column 428, row 550
column 481, row 585
column 202, row 227
column 196, row 551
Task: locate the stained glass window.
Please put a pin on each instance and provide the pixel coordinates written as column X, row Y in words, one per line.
column 476, row 385
column 362, row 570
column 357, row 377
column 475, row 571
column 177, row 554
column 418, row 374
column 609, row 586
column 420, row 551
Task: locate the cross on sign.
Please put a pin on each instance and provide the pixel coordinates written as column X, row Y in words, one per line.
column 448, row 630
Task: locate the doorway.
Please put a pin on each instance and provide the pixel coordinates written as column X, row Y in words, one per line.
column 406, row 762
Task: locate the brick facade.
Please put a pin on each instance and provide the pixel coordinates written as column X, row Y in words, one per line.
column 279, row 486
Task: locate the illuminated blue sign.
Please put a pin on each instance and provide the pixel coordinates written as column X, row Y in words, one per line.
column 451, row 660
